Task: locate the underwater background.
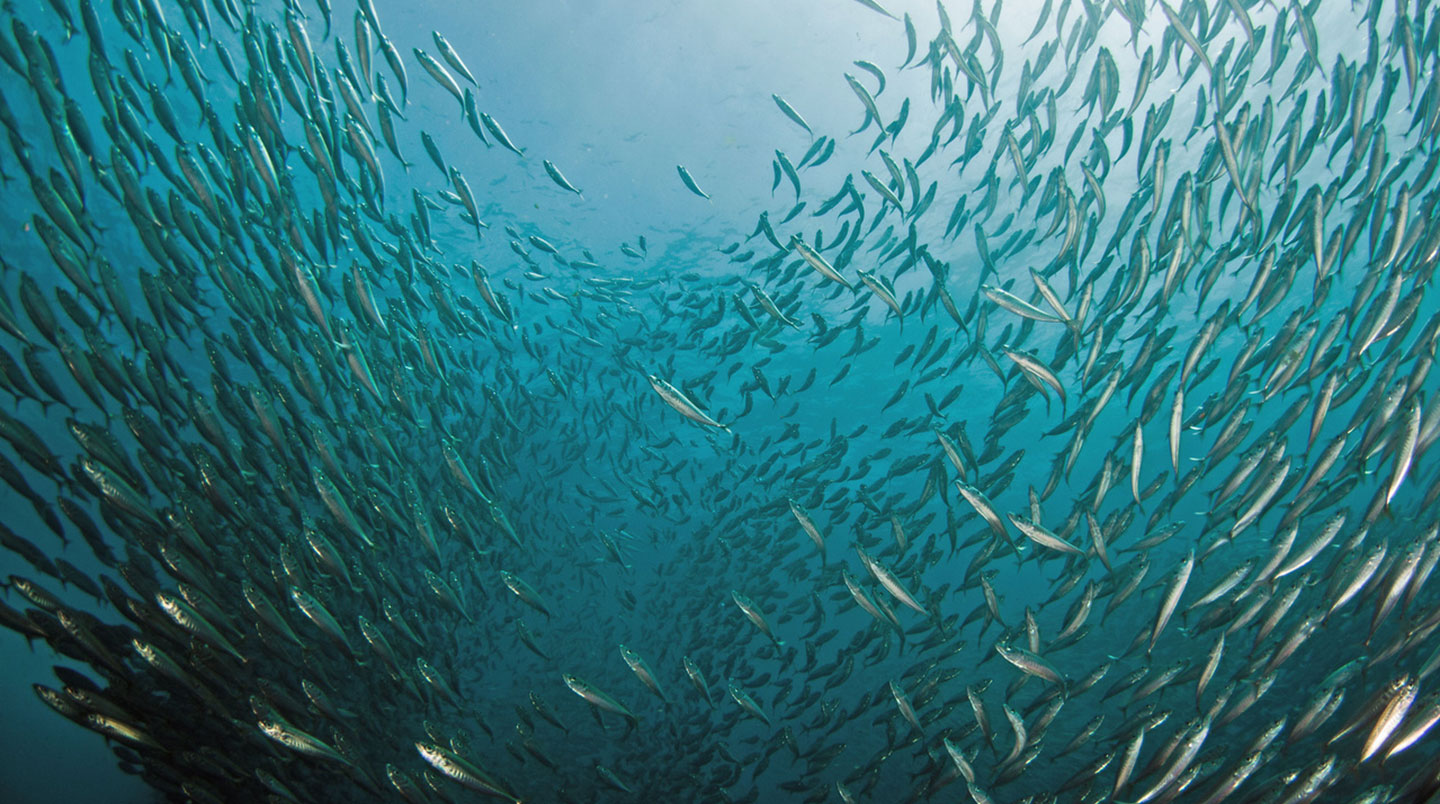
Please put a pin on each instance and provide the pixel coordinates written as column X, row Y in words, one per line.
column 801, row 401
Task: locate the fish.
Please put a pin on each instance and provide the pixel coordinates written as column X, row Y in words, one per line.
column 891, row 583
column 753, row 613
column 599, row 699
column 461, row 770
column 191, row 620
column 1171, row 599
column 682, row 403
column 788, row 111
column 689, row 182
column 447, row 51
column 1030, row 663
column 747, row 703
column 299, row 741
column 818, row 262
column 808, row 525
column 441, row 75
column 321, row 617
column 1405, row 454
column 1399, row 697
column 612, row 779
column 559, row 178
column 907, row 710
column 643, row 671
column 1042, row 536
column 499, row 134
column 872, row 112
column 697, row 679
column 525, row 592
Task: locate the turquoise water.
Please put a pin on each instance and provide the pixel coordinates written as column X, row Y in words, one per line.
column 335, row 395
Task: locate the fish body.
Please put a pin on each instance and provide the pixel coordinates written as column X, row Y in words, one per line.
column 747, row 703
column 789, row 111
column 815, row 260
column 676, row 399
column 297, row 740
column 642, row 671
column 754, row 614
column 689, row 182
column 891, row 583
column 191, row 620
column 808, row 525
column 499, row 134
column 600, row 699
column 321, row 617
column 463, row 771
column 697, row 679
column 525, row 592
column 559, row 178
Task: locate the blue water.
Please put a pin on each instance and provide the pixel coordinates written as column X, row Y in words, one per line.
column 635, row 525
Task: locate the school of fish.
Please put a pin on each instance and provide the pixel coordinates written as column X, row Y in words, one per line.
column 1070, row 441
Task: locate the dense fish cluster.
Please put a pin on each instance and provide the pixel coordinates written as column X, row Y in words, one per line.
column 1071, row 441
